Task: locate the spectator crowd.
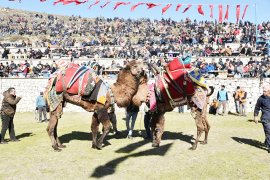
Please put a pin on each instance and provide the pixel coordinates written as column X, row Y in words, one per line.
column 42, row 36
column 127, row 38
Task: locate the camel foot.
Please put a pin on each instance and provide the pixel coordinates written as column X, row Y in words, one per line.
column 99, row 146
column 56, row 149
column 155, row 144
column 62, row 146
column 94, row 146
column 204, row 142
column 193, row 148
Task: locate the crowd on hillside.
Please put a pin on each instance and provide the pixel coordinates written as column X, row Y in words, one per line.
column 132, row 38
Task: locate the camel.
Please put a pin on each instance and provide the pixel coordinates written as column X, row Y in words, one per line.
column 121, row 92
column 158, row 119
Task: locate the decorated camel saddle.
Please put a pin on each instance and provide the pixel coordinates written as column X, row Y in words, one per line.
column 177, row 81
column 75, row 80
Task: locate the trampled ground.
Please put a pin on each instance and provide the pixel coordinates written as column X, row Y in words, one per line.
column 234, row 151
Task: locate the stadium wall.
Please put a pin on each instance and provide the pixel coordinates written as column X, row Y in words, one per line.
column 29, row 89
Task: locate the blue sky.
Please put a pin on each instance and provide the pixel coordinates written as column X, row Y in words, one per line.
column 263, row 12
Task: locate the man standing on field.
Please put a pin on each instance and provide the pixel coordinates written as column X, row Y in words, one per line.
column 263, row 104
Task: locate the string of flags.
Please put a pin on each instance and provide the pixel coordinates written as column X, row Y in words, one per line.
column 165, row 7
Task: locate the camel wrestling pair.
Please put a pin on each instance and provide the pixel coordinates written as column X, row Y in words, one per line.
column 176, row 84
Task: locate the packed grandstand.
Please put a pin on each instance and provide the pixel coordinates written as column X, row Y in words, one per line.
column 31, row 42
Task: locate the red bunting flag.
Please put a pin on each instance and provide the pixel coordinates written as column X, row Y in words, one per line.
column 237, row 13
column 151, row 5
column 56, row 2
column 227, row 13
column 178, row 6
column 119, row 4
column 245, row 11
column 166, row 8
column 220, row 13
column 80, row 2
column 65, row 2
column 105, row 4
column 42, row 0
column 211, row 11
column 200, row 10
column 187, row 8
column 136, row 5
column 95, row 3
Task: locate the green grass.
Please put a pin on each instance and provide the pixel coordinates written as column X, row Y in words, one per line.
column 234, row 151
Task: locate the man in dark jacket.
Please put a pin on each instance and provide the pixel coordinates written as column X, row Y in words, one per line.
column 8, row 111
column 263, row 104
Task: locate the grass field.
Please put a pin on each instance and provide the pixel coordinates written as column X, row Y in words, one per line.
column 234, row 151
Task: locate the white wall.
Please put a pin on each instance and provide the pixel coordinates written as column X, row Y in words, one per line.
column 29, row 89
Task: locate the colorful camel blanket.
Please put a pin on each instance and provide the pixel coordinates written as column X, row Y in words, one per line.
column 75, row 79
column 179, row 80
column 173, row 84
column 197, row 78
column 53, row 98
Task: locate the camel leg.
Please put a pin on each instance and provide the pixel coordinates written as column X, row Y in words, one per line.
column 200, row 128
column 59, row 144
column 107, row 126
column 157, row 128
column 103, row 117
column 94, row 129
column 206, row 129
column 51, row 129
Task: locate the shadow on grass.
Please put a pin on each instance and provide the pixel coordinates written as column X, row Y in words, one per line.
column 250, row 142
column 85, row 136
column 110, row 167
column 231, row 113
column 177, row 135
column 252, row 120
column 23, row 135
column 75, row 135
column 131, row 147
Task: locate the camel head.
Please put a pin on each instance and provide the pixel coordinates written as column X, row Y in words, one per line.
column 128, row 82
column 137, row 68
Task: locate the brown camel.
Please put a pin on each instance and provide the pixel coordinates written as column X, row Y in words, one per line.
column 158, row 119
column 122, row 90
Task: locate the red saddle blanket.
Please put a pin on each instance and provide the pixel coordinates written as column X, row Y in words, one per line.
column 83, row 84
column 175, row 74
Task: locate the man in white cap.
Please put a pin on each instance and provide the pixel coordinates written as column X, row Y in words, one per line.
column 263, row 104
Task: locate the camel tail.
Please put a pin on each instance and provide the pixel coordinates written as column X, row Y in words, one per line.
column 211, row 88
